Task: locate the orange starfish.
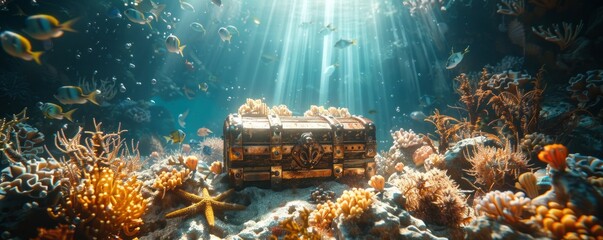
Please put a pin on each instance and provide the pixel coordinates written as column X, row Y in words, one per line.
column 205, row 203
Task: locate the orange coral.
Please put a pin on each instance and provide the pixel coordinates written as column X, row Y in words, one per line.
column 377, row 182
column 527, row 183
column 171, row 180
column 351, row 204
column 563, row 223
column 554, row 155
column 504, row 206
column 216, row 167
column 62, row 232
column 191, row 163
column 421, row 154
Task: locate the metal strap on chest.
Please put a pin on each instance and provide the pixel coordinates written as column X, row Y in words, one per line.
column 371, row 142
column 276, row 151
column 234, row 134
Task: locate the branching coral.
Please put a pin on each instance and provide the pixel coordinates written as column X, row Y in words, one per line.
column 563, row 223
column 493, row 167
column 433, row 197
column 29, row 140
column 514, row 7
column 446, row 128
column 505, row 206
column 407, row 139
column 104, row 198
column 282, row 110
column 563, row 39
column 295, row 230
column 587, row 88
column 315, row 111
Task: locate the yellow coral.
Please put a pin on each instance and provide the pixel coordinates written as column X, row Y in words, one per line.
column 563, row 223
column 527, row 183
column 254, row 107
column 354, row 202
column 170, row 180
column 282, row 110
column 105, row 205
column 323, row 215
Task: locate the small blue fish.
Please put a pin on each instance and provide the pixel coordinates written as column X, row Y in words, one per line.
column 455, row 58
column 207, row 150
column 136, row 16
column 114, row 13
column 175, row 136
column 18, row 46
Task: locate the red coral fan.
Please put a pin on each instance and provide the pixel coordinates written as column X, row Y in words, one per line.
column 554, row 155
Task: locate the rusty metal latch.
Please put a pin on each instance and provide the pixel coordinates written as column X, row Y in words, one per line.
column 307, row 153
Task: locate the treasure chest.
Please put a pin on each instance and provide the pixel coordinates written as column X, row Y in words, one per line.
column 276, row 148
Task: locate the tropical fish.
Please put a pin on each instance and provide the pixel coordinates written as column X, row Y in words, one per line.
column 45, row 27
column 18, row 46
column 176, row 136
column 418, row 115
column 225, row 35
column 198, row 27
column 327, row 29
column 187, row 6
column 203, row 87
column 203, row 132
column 455, row 58
column 136, row 16
column 182, row 118
column 217, row 2
column 330, row 69
column 172, row 43
column 343, row 43
column 75, row 95
column 53, row 111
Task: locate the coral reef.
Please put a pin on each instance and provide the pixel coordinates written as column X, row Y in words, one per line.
column 563, row 39
column 421, row 154
column 533, row 143
column 315, row 111
column 495, row 167
column 28, row 140
column 554, row 155
column 586, row 89
column 282, row 110
column 62, row 232
column 433, row 197
column 507, row 63
column 386, row 162
column 320, row 195
column 34, row 178
column 377, row 182
column 562, row 222
column 292, row 229
column 435, row 161
column 103, row 199
column 527, row 182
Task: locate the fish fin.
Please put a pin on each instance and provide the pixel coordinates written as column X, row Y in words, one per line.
column 36, row 57
column 69, row 114
column 451, row 50
column 180, row 50
column 167, row 139
column 149, row 23
column 354, row 41
column 92, row 97
column 466, row 50
column 67, row 26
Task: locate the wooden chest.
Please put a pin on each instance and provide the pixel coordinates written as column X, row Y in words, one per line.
column 273, row 148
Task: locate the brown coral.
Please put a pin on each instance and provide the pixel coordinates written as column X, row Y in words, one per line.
column 433, row 197
column 493, row 167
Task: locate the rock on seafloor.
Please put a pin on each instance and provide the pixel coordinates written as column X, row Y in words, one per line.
column 484, row 228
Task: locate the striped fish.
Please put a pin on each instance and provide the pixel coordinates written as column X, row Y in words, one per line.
column 75, row 95
column 44, row 27
column 53, row 111
column 18, row 46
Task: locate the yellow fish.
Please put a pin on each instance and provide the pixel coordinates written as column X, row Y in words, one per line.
column 172, row 43
column 175, row 136
column 53, row 111
column 45, row 27
column 18, row 46
column 75, row 95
